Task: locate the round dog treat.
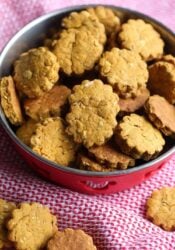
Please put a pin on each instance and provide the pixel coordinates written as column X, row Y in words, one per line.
column 31, row 226
column 10, row 101
column 85, row 163
column 49, row 104
column 83, row 19
column 77, row 51
column 162, row 80
column 160, row 208
column 124, row 70
column 25, row 132
column 36, row 72
column 6, row 209
column 136, row 137
column 111, row 157
column 161, row 113
column 131, row 105
column 93, row 110
column 51, row 141
column 71, row 239
column 142, row 38
column 107, row 17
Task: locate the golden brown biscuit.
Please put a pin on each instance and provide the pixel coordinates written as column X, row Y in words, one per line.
column 107, row 17
column 161, row 208
column 31, row 226
column 162, row 80
column 142, row 38
column 25, row 132
column 10, row 101
column 36, row 71
column 93, row 110
column 71, row 239
column 161, row 113
column 136, row 137
column 87, row 21
column 77, row 51
column 51, row 141
column 131, row 105
column 111, row 157
column 6, row 209
column 124, row 70
column 49, row 104
column 85, row 163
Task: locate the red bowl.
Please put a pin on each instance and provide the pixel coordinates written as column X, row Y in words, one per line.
column 82, row 181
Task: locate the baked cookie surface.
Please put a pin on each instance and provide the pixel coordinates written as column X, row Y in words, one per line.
column 107, row 17
column 142, row 38
column 161, row 208
column 161, row 113
column 77, row 51
column 25, row 132
column 6, row 209
column 93, row 110
column 131, row 105
column 87, row 21
column 111, row 157
column 137, row 137
column 162, row 80
column 10, row 101
column 36, row 71
column 49, row 104
column 31, row 226
column 86, row 163
column 51, row 141
column 71, row 239
column 124, row 70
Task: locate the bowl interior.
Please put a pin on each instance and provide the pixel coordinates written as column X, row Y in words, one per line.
column 33, row 34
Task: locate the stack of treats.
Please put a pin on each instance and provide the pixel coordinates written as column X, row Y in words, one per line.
column 98, row 95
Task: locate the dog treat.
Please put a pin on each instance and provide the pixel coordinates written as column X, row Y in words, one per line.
column 93, row 110
column 161, row 113
column 111, row 157
column 142, row 38
column 87, row 21
column 71, row 239
column 6, row 209
column 49, row 104
column 31, row 226
column 10, row 101
column 77, row 51
column 124, row 70
column 107, row 17
column 131, row 105
column 162, row 80
column 25, row 132
column 160, row 208
column 36, row 71
column 136, row 137
column 85, row 163
column 51, row 141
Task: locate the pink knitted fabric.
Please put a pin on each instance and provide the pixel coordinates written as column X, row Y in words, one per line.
column 115, row 221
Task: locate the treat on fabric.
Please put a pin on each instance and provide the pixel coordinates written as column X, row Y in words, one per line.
column 160, row 208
